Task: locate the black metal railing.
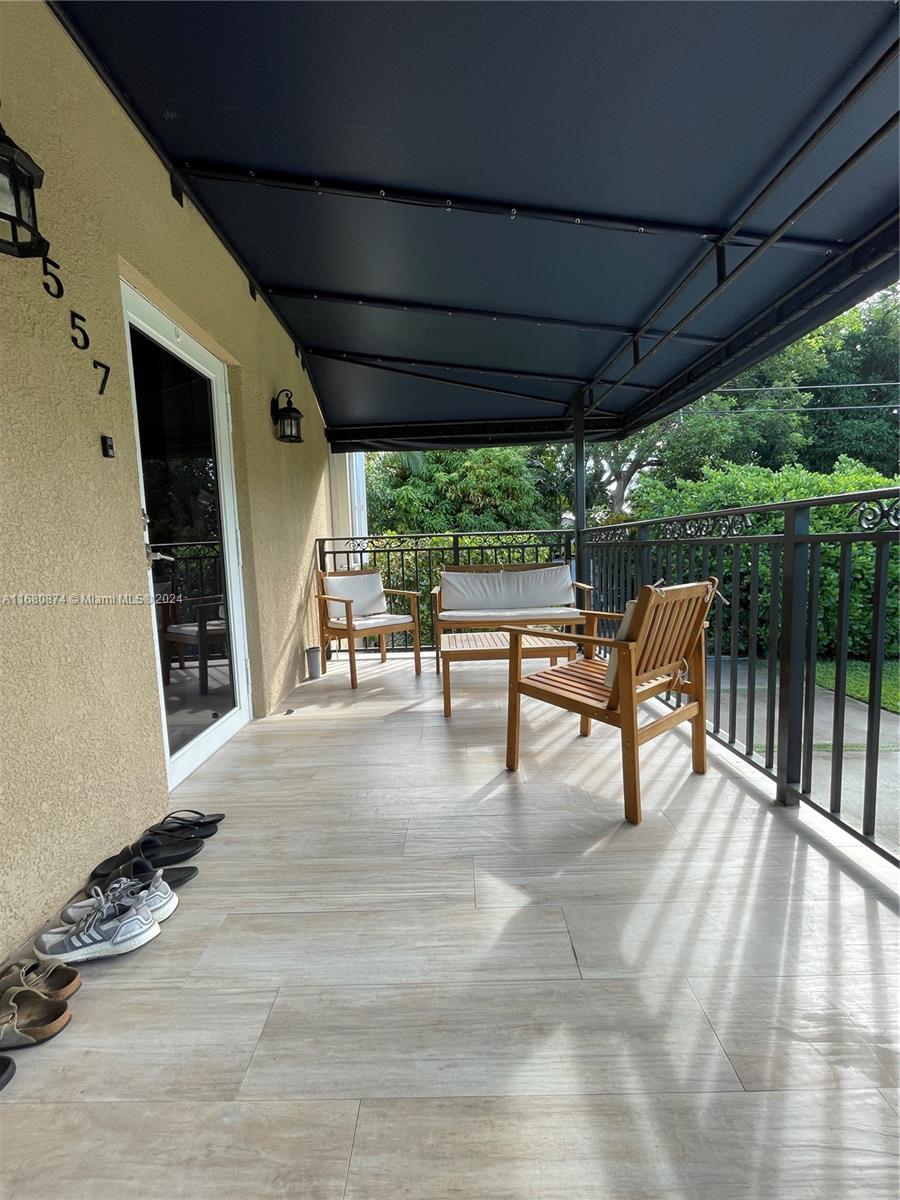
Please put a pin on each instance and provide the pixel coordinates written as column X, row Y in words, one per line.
column 188, row 570
column 414, row 560
column 808, row 617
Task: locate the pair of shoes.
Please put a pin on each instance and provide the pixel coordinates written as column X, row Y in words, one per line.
column 160, row 850
column 33, row 1005
column 27, row 1017
column 53, row 979
column 142, row 871
column 109, row 923
column 189, row 822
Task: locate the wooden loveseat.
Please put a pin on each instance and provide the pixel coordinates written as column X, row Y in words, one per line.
column 488, row 595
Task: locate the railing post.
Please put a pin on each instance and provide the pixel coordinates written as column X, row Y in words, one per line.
column 320, row 548
column 642, row 559
column 456, row 550
column 792, row 653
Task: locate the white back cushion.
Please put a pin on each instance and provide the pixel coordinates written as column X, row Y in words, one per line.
column 366, row 591
column 471, row 590
column 612, row 667
column 545, row 587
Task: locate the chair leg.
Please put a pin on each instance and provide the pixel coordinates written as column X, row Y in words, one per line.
column 514, row 702
column 325, row 641
column 382, row 642
column 437, row 650
column 203, row 657
column 698, row 723
column 445, row 683
column 631, row 777
column 585, row 727
column 417, row 649
column 351, row 647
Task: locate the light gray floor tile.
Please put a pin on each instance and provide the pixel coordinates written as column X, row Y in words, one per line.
column 553, row 833
column 295, row 884
column 807, row 1032
column 487, row 1039
column 647, row 876
column 180, row 1151
column 390, row 947
column 256, row 835
column 155, row 1043
column 744, row 936
column 805, row 1146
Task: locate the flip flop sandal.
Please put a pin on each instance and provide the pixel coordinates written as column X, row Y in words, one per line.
column 54, row 980
column 198, row 818
column 176, row 825
column 143, row 871
column 7, row 1070
column 27, row 1017
column 160, row 850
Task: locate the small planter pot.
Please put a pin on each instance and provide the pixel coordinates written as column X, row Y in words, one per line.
column 313, row 662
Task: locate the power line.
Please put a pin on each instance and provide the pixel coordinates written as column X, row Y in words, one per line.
column 739, row 412
column 802, row 387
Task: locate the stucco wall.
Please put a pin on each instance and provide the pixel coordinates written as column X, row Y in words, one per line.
column 81, row 750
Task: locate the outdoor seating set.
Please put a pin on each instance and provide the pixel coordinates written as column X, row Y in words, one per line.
column 504, row 611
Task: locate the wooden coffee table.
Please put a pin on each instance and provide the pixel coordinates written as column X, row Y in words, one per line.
column 472, row 647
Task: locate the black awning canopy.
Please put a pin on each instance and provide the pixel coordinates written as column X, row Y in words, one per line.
column 469, row 215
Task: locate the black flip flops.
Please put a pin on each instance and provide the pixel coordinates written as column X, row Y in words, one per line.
column 198, row 818
column 143, row 871
column 160, row 850
column 176, row 824
column 7, row 1070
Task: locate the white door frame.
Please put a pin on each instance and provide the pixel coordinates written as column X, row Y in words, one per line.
column 141, row 314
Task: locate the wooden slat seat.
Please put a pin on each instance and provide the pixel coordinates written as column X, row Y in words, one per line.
column 664, row 651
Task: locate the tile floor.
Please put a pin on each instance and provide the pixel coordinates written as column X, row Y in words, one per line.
column 403, row 972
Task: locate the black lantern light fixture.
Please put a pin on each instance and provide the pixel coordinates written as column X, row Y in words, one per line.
column 19, row 176
column 287, row 418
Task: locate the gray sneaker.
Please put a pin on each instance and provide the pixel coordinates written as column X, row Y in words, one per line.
column 156, row 894
column 108, row 929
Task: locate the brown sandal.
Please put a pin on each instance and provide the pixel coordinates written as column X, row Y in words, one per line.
column 52, row 978
column 27, row 1017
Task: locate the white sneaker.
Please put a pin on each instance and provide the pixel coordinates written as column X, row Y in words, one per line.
column 156, row 894
column 106, row 930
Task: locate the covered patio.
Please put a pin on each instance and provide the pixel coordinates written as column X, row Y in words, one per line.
column 405, row 972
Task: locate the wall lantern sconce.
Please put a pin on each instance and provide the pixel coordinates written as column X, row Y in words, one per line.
column 287, row 418
column 19, row 176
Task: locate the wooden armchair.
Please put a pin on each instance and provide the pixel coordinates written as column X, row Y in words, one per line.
column 208, row 629
column 353, row 605
column 659, row 647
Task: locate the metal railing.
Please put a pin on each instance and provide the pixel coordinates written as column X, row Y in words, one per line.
column 414, row 560
column 809, row 613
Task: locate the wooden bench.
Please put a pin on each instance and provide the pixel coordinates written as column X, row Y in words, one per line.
column 662, row 648
column 475, row 647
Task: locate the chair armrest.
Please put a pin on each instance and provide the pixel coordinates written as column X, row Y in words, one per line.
column 585, row 587
column 336, row 599
column 565, row 637
column 399, row 592
column 436, row 590
column 591, row 612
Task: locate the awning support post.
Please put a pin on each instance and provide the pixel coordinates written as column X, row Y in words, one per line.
column 580, row 511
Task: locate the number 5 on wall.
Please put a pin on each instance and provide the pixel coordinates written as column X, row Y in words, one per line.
column 79, row 339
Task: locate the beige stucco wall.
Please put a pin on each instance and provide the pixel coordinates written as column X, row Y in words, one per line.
column 81, row 750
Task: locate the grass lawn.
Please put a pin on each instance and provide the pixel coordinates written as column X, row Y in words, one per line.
column 858, row 681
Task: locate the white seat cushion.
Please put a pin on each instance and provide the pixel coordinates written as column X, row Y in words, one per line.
column 365, row 590
column 497, row 616
column 192, row 629
column 542, row 587
column 374, row 620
